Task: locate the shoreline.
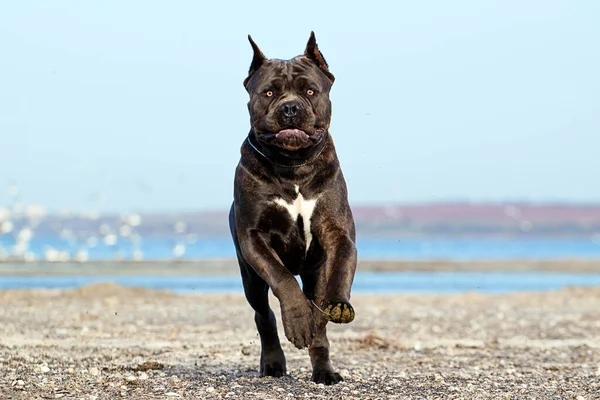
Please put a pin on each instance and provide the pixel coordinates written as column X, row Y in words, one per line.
column 229, row 267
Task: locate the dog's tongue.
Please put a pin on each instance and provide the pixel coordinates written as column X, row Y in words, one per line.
column 291, row 133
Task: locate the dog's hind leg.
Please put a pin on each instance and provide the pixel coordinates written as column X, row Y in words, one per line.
column 272, row 359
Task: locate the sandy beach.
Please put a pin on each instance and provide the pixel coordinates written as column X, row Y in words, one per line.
column 106, row 341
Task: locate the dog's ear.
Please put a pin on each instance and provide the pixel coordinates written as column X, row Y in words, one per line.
column 314, row 54
column 258, row 59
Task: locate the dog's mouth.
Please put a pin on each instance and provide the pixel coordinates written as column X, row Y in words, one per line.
column 292, row 134
column 293, row 138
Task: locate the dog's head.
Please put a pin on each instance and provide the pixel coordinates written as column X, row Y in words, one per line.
column 289, row 99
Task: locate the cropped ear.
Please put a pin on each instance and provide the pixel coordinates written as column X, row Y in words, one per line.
column 257, row 60
column 314, row 54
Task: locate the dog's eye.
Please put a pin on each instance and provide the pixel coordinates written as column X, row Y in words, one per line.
column 310, row 92
column 269, row 93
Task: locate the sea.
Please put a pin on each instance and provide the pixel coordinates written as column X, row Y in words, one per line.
column 364, row 282
column 456, row 249
column 368, row 248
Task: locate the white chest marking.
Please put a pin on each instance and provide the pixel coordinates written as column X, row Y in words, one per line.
column 300, row 207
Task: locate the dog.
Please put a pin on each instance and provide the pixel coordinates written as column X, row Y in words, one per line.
column 290, row 214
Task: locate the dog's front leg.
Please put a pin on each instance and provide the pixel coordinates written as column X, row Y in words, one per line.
column 296, row 313
column 340, row 268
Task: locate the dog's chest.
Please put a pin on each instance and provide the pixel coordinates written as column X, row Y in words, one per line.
column 300, row 209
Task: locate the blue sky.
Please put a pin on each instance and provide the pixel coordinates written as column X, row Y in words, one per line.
column 143, row 101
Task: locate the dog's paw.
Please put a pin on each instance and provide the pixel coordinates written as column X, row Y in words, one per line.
column 339, row 312
column 326, row 376
column 299, row 324
column 275, row 370
column 272, row 364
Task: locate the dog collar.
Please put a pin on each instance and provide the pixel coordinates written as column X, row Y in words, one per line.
column 281, row 165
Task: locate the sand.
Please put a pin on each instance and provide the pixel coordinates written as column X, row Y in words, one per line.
column 104, row 341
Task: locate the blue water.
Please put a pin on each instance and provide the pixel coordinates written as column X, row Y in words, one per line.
column 368, row 248
column 365, row 282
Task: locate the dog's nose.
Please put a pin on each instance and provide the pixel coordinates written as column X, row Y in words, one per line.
column 290, row 109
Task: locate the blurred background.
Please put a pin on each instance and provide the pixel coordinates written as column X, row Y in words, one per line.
column 466, row 130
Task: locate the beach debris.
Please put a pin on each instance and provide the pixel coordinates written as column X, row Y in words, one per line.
column 67, row 235
column 180, row 227
column 4, row 213
column 25, row 235
column 512, row 211
column 149, row 366
column 82, row 255
column 137, row 255
column 54, row 255
column 125, row 230
column 104, row 229
column 110, row 239
column 525, row 226
column 6, row 227
column 92, row 241
column 178, row 250
column 18, row 383
column 135, row 238
column 133, row 219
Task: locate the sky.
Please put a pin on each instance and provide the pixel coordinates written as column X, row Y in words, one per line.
column 139, row 105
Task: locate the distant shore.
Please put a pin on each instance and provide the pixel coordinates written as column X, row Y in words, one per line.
column 229, row 266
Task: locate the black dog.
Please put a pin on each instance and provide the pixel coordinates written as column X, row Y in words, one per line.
column 290, row 214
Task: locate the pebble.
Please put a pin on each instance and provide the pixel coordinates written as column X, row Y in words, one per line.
column 131, row 378
column 210, row 389
column 94, row 371
column 143, row 376
column 44, row 369
column 172, row 394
